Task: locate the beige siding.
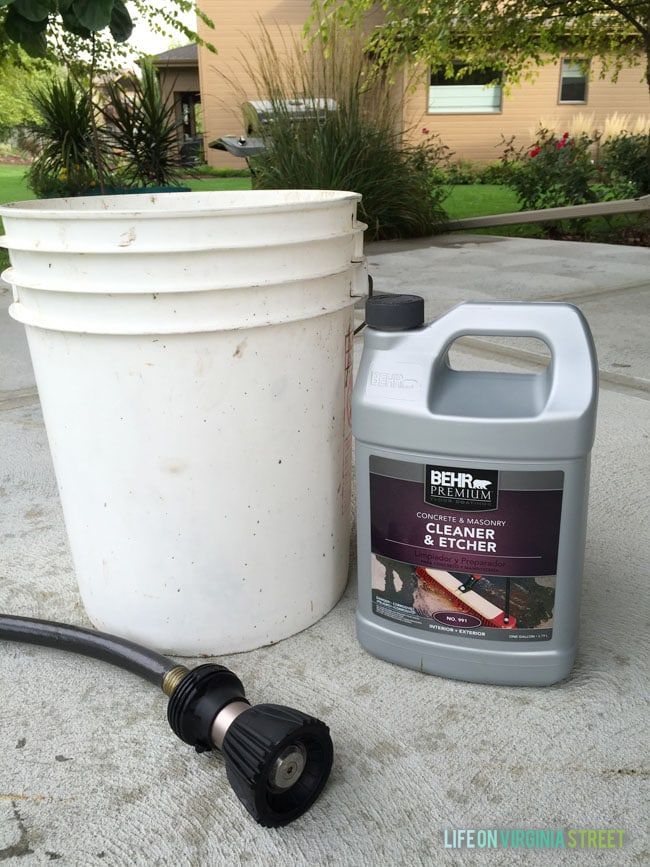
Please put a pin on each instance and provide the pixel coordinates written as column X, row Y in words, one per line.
column 234, row 22
column 477, row 136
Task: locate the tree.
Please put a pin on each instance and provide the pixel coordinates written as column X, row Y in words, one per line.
column 509, row 36
column 68, row 26
column 18, row 74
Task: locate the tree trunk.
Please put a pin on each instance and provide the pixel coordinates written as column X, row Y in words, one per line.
column 99, row 162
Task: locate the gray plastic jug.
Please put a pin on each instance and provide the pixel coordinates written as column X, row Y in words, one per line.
column 472, row 492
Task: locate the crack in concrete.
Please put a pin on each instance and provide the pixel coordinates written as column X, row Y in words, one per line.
column 17, row 850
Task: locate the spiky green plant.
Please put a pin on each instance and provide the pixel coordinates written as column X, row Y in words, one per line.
column 143, row 131
column 351, row 141
column 66, row 163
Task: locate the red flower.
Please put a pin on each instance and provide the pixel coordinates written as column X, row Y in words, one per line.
column 425, row 131
column 560, row 144
column 565, row 136
column 536, row 150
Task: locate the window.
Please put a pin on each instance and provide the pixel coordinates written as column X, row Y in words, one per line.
column 573, row 81
column 472, row 93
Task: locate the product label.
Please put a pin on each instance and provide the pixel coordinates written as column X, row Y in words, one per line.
column 463, row 550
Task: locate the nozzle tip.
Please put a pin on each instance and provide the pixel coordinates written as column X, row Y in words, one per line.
column 278, row 761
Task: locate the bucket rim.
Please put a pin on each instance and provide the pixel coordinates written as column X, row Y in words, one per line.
column 153, row 207
column 68, row 288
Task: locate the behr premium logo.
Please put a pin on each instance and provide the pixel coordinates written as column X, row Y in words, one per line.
column 461, row 488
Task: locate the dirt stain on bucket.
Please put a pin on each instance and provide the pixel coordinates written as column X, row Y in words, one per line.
column 239, row 351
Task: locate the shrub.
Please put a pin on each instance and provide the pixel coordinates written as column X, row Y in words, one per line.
column 613, row 190
column 350, row 140
column 626, row 157
column 490, row 174
column 143, row 131
column 462, row 172
column 554, row 171
column 66, row 162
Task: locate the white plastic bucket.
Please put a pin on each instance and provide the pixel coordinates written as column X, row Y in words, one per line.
column 192, row 353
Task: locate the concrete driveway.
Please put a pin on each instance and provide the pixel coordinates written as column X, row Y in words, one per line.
column 91, row 774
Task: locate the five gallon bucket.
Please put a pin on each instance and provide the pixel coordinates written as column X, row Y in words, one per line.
column 192, row 353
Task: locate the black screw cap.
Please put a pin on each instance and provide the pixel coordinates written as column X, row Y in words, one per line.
column 196, row 701
column 254, row 747
column 394, row 312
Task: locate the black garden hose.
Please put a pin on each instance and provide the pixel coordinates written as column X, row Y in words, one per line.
column 277, row 759
column 125, row 654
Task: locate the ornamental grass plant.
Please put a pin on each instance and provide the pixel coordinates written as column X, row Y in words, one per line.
column 350, row 138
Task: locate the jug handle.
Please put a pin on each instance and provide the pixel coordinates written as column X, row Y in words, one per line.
column 562, row 327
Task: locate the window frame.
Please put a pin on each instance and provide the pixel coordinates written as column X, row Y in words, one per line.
column 473, row 113
column 566, row 58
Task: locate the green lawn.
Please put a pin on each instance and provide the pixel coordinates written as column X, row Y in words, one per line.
column 479, row 200
column 482, row 200
column 201, row 185
column 12, row 184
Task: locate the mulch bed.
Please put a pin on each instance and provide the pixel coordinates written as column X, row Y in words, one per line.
column 633, row 236
column 636, row 234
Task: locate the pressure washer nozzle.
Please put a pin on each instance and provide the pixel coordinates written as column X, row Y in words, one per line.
column 277, row 759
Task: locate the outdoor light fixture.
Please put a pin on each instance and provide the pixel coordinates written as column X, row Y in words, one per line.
column 277, row 759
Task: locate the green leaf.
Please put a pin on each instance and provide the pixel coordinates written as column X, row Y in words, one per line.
column 121, row 25
column 36, row 44
column 93, row 14
column 33, row 10
column 5, row 3
column 20, row 29
column 72, row 25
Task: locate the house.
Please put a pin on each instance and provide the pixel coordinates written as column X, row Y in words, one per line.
column 178, row 73
column 469, row 116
